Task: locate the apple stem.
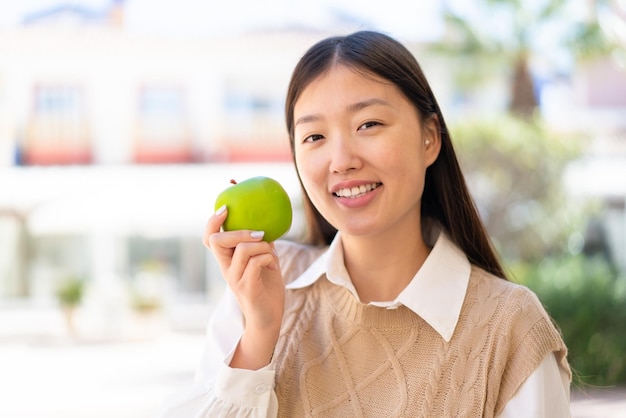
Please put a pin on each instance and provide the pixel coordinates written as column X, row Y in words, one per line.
column 232, row 181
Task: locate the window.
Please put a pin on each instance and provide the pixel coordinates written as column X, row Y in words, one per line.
column 253, row 126
column 162, row 131
column 57, row 131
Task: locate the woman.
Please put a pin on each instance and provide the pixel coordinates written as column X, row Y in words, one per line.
column 397, row 304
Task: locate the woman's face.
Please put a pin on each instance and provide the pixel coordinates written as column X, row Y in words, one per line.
column 361, row 152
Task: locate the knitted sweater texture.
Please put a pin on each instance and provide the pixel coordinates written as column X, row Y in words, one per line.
column 337, row 357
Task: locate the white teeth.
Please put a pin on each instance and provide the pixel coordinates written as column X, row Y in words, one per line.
column 356, row 191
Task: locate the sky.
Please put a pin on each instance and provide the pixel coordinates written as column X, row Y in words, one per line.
column 409, row 20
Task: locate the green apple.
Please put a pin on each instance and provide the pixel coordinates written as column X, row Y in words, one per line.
column 258, row 204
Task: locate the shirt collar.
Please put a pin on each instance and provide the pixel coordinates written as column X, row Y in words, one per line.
column 436, row 292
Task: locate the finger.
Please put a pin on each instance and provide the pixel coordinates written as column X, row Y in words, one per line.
column 258, row 274
column 214, row 224
column 275, row 255
column 223, row 245
column 246, row 254
column 225, row 242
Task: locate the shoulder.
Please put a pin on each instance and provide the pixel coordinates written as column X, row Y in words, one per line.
column 295, row 257
column 512, row 307
column 516, row 311
column 485, row 286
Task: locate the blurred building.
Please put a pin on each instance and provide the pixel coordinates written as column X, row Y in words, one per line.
column 114, row 145
column 81, row 90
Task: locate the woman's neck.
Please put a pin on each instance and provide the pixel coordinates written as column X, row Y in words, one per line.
column 381, row 266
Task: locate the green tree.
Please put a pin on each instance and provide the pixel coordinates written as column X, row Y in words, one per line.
column 490, row 38
column 514, row 169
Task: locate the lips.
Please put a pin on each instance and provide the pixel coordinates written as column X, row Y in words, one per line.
column 356, row 191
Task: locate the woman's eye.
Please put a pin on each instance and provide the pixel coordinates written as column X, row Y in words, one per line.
column 369, row 124
column 313, row 138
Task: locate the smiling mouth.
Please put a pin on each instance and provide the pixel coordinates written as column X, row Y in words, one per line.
column 354, row 192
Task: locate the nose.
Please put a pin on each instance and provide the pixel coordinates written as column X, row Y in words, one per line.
column 344, row 154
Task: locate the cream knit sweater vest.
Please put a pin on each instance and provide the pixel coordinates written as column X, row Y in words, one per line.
column 337, row 357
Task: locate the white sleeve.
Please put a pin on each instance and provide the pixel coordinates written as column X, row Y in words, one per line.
column 217, row 389
column 544, row 394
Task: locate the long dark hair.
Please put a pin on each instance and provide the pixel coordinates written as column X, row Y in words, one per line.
column 446, row 197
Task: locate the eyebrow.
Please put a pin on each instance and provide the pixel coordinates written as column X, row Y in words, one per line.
column 353, row 108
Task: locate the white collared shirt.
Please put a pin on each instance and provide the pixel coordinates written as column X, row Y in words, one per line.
column 435, row 293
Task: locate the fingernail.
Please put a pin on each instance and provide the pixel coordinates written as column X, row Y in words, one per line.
column 257, row 234
column 220, row 210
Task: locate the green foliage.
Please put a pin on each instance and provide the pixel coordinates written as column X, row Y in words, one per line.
column 519, row 34
column 514, row 170
column 589, row 41
column 588, row 303
column 70, row 292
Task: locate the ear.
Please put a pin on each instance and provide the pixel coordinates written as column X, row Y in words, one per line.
column 431, row 135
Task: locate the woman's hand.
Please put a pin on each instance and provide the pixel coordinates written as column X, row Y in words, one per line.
column 250, row 267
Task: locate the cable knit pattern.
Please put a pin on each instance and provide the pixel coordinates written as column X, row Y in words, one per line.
column 338, row 357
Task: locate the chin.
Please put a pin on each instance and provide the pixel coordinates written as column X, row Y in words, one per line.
column 361, row 230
